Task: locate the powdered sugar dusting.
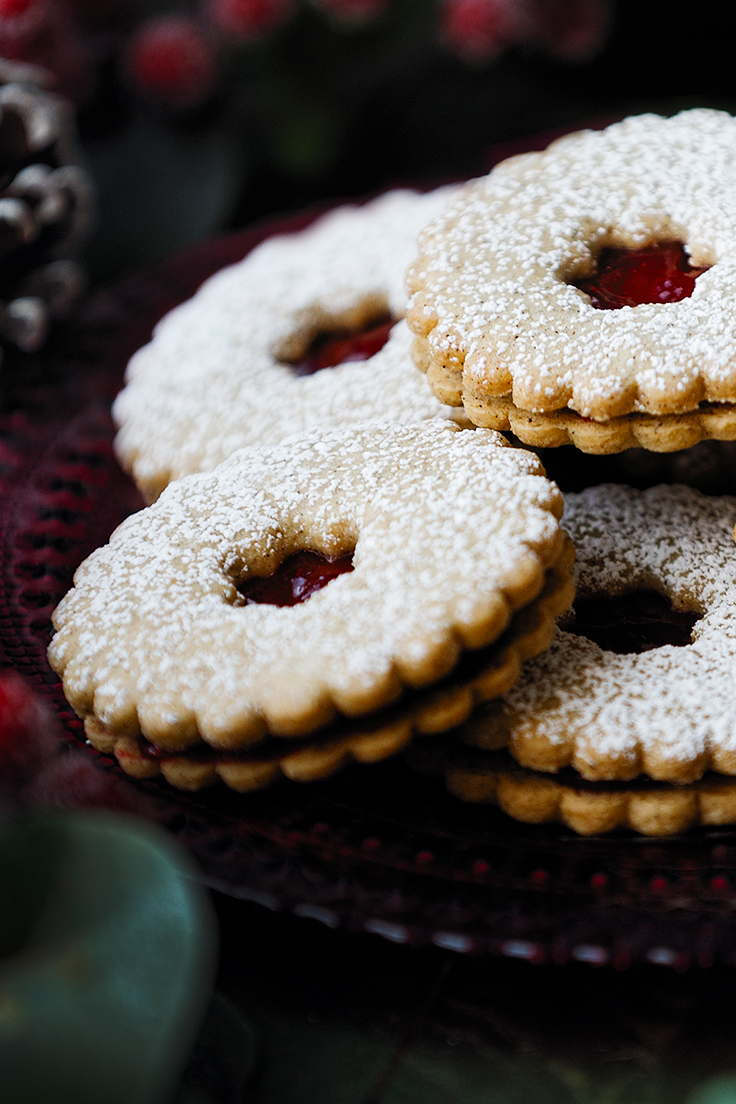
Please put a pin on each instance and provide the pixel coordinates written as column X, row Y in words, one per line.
column 670, row 712
column 213, row 380
column 490, row 290
column 445, row 525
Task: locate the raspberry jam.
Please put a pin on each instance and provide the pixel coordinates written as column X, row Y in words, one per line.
column 632, row 623
column 330, row 349
column 298, row 577
column 658, row 273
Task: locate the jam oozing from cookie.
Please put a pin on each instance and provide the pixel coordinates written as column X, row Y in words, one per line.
column 631, row 623
column 340, row 346
column 298, row 577
column 658, row 273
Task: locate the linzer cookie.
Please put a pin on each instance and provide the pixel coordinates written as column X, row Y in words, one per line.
column 384, row 579
column 641, row 680
column 589, row 808
column 582, row 294
column 479, row 676
column 307, row 331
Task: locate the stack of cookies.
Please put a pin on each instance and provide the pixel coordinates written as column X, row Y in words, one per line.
column 344, row 557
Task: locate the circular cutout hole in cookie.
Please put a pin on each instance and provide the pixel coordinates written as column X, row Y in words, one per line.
column 631, row 623
column 659, row 273
column 299, row 577
column 328, row 348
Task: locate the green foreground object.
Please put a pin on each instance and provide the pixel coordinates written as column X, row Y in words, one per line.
column 107, row 954
column 717, row 1090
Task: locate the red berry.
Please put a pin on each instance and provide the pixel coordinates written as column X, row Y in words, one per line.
column 172, row 59
column 46, row 33
column 10, row 9
column 23, row 25
column 478, row 30
column 73, row 781
column 573, row 30
column 28, row 735
column 246, row 19
column 353, row 11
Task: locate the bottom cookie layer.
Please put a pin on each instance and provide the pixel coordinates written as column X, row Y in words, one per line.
column 588, row 808
column 656, row 433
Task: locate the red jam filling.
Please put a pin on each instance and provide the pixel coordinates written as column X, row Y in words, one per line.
column 631, row 623
column 658, row 273
column 330, row 349
column 298, row 577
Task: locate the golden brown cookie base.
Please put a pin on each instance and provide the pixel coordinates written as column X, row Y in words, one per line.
column 308, row 761
column 484, row 675
column 588, row 808
column 489, row 730
column 657, row 433
column 552, row 429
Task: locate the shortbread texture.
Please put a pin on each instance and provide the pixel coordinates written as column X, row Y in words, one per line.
column 589, row 808
column 492, row 306
column 653, row 432
column 451, row 531
column 669, row 713
column 216, row 376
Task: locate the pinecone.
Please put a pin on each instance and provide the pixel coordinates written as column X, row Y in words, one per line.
column 46, row 202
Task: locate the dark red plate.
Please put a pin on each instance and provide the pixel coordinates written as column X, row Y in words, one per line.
column 381, row 849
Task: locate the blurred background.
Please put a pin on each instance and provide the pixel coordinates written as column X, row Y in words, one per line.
column 199, row 116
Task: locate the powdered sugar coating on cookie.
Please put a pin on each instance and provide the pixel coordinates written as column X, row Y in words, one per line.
column 492, row 304
column 669, row 713
column 216, row 376
column 451, row 530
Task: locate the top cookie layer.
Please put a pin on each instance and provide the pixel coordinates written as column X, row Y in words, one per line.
column 216, row 377
column 451, row 531
column 491, row 301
